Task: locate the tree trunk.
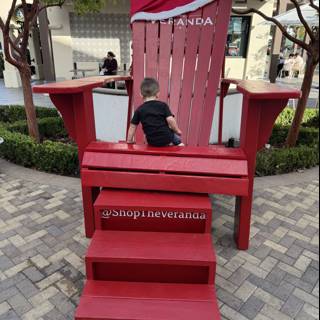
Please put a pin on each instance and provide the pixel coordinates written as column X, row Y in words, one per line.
column 25, row 75
column 302, row 104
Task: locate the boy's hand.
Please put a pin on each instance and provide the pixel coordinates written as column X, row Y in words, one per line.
column 179, row 132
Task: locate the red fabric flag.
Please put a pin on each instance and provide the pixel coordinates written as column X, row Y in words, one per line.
column 163, row 9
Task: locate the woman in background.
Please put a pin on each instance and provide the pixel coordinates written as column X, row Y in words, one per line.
column 110, row 65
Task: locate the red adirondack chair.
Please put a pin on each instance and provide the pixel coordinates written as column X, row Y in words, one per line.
column 186, row 55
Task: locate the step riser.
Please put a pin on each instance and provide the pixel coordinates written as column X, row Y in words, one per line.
column 153, row 219
column 156, row 273
column 147, row 301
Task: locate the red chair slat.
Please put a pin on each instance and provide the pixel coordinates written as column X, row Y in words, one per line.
column 217, row 56
column 190, row 60
column 218, row 152
column 138, row 67
column 179, row 35
column 152, row 48
column 201, row 77
column 147, row 163
column 165, row 59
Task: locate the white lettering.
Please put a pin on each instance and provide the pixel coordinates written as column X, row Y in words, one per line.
column 191, row 22
column 137, row 214
column 199, row 21
column 180, row 22
column 203, row 216
column 196, row 216
column 209, row 21
column 106, row 214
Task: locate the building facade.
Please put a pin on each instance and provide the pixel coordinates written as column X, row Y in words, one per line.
column 85, row 40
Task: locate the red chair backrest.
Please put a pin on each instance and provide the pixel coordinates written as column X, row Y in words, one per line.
column 186, row 55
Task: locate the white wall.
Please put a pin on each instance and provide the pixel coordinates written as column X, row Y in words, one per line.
column 253, row 67
column 111, row 117
column 62, row 41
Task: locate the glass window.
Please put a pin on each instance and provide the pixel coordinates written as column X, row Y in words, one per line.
column 238, row 36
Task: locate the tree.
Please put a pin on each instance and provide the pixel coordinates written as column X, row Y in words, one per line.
column 16, row 45
column 311, row 46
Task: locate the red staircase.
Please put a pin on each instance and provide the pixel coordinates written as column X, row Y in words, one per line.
column 151, row 257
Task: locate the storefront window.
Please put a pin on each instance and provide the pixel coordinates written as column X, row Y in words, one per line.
column 238, row 36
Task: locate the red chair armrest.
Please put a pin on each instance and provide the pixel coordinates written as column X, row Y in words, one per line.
column 258, row 89
column 78, row 85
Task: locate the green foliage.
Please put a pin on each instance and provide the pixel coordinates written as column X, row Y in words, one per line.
column 54, row 157
column 48, row 128
column 310, row 118
column 13, row 113
column 80, row 6
column 285, row 160
column 307, row 136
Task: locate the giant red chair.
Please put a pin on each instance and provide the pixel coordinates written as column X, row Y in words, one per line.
column 186, row 55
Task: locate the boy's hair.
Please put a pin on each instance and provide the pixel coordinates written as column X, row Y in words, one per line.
column 149, row 87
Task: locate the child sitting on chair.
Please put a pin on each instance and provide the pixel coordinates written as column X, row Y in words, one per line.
column 157, row 121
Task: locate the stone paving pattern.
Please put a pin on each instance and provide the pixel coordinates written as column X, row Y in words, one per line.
column 12, row 96
column 42, row 245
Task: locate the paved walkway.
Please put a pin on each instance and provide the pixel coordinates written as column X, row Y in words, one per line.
column 9, row 96
column 42, row 247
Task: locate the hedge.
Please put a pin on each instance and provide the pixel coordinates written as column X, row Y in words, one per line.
column 286, row 160
column 48, row 128
column 62, row 158
column 54, row 157
column 13, row 113
column 310, row 118
column 307, row 136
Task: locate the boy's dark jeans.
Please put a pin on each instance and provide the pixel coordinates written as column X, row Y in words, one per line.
column 176, row 139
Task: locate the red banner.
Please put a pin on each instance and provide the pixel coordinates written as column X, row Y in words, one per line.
column 163, row 9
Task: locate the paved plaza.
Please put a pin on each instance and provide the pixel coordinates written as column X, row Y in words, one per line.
column 42, row 246
column 12, row 96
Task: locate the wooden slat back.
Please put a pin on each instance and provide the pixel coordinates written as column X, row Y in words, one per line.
column 185, row 55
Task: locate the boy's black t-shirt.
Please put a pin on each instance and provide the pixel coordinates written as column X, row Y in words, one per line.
column 153, row 117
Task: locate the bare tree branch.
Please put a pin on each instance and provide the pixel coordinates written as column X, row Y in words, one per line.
column 303, row 20
column 2, row 26
column 59, row 4
column 277, row 23
column 314, row 6
column 10, row 14
column 26, row 29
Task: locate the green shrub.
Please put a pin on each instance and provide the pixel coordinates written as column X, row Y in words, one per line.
column 310, row 118
column 312, row 122
column 279, row 161
column 54, row 157
column 57, row 157
column 307, row 136
column 11, row 114
column 48, row 128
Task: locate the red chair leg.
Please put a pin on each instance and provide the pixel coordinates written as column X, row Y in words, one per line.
column 89, row 196
column 243, row 221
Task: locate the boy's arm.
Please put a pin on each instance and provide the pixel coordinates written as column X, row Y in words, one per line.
column 173, row 125
column 131, row 133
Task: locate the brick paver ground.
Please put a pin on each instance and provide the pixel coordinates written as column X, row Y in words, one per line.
column 42, row 247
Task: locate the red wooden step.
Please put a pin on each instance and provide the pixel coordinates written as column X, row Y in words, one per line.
column 128, row 210
column 147, row 301
column 151, row 257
